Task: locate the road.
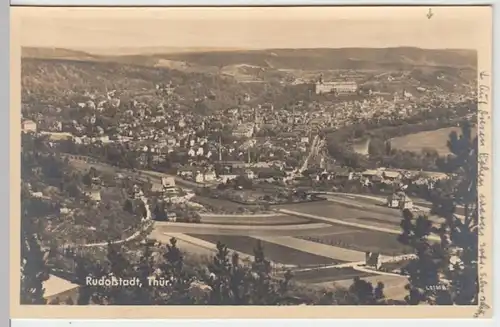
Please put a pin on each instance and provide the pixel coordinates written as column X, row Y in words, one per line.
column 312, row 150
column 147, row 223
column 243, row 230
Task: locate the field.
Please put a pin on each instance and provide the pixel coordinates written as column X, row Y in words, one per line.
column 360, row 240
column 221, row 203
column 327, row 275
column 436, row 139
column 274, row 252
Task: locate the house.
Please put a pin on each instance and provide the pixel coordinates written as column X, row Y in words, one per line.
column 199, row 177
column 65, row 210
column 60, row 136
column 244, row 130
column 199, row 289
column 249, row 174
column 369, row 176
column 205, row 176
column 393, row 201
column 227, row 177
column 28, row 126
column 171, row 216
column 370, row 173
column 157, row 188
column 345, row 175
column 94, row 195
column 57, row 288
column 168, row 181
column 399, row 200
column 391, row 175
column 187, row 171
column 233, row 164
column 37, row 195
column 325, row 176
column 170, row 191
column 406, row 203
column 433, row 175
column 210, row 176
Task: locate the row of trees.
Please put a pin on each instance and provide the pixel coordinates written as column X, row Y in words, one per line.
column 224, row 280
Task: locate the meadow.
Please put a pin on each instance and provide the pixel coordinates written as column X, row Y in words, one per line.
column 417, row 142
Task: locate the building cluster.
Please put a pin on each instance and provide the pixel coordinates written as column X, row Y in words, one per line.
column 250, row 132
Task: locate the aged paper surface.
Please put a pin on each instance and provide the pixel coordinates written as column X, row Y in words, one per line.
column 251, row 162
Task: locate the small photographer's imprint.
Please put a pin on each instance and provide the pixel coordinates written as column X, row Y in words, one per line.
column 438, row 287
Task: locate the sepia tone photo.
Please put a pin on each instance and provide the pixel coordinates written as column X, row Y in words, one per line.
column 200, row 162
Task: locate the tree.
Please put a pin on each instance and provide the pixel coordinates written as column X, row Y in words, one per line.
column 224, row 290
column 34, row 270
column 146, row 294
column 82, row 271
column 173, row 271
column 119, row 267
column 87, row 180
column 141, row 210
column 446, row 268
column 93, row 172
column 363, row 292
column 128, row 207
column 233, row 283
column 262, row 289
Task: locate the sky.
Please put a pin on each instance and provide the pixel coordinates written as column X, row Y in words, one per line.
column 251, row 28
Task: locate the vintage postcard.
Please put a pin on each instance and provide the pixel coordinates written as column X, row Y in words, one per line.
column 251, row 162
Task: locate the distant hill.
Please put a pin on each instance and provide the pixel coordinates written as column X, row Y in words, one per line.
column 122, row 51
column 59, row 53
column 344, row 58
column 404, row 58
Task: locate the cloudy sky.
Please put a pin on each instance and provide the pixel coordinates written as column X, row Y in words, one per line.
column 250, row 28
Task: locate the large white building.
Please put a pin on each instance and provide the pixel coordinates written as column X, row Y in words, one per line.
column 335, row 87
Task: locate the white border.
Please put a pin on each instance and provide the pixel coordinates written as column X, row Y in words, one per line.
column 239, row 2
column 231, row 323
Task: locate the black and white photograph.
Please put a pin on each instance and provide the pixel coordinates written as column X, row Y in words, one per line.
column 259, row 156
